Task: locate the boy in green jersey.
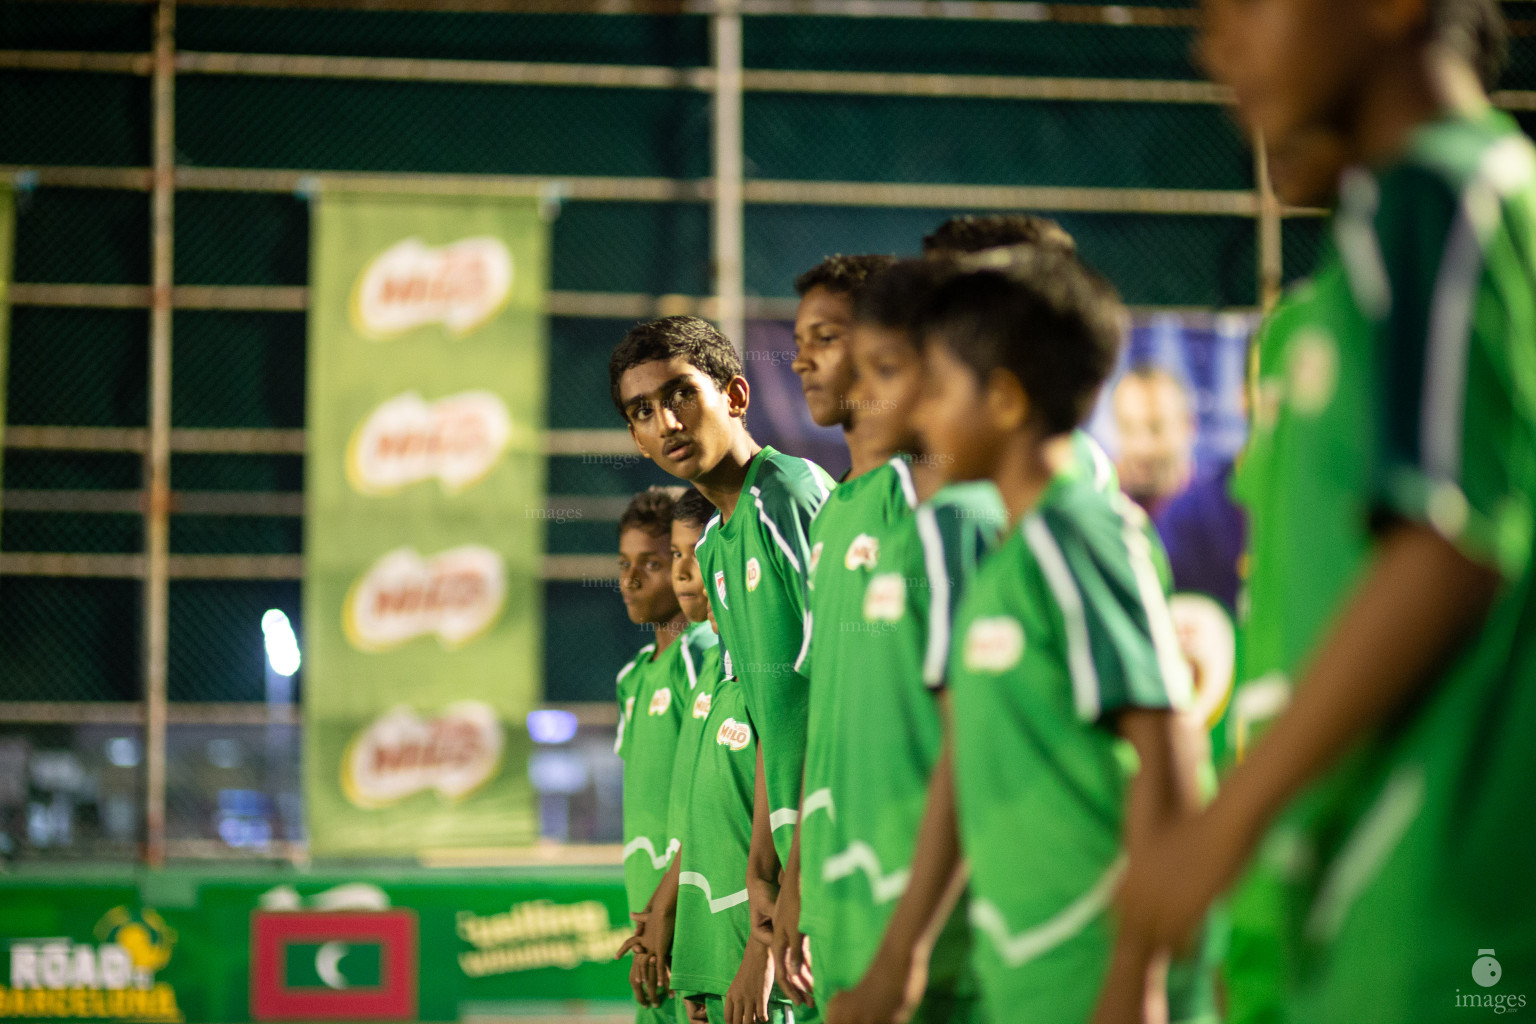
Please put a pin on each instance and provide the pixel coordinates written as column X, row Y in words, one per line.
column 677, row 382
column 652, row 692
column 716, row 966
column 823, row 325
column 1403, row 434
column 1064, row 671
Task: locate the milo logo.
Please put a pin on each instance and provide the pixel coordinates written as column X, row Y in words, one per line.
column 661, row 700
column 701, row 705
column 734, row 734
column 461, row 285
column 754, row 574
column 863, row 551
column 456, row 440
column 456, row 595
column 402, row 753
column 885, row 598
column 816, row 555
column 994, row 644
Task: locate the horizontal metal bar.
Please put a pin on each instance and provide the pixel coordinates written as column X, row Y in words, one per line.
column 606, row 189
column 948, row 10
column 597, row 570
column 1231, row 203
column 481, row 72
column 594, row 714
column 295, row 851
column 64, row 60
column 637, row 76
column 560, row 855
column 261, row 442
column 590, row 507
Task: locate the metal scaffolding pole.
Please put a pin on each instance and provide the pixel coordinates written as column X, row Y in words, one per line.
column 727, row 210
column 157, row 458
column 1271, row 255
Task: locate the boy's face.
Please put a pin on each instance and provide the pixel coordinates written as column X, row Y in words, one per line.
column 1294, row 64
column 679, row 418
column 951, row 416
column 823, row 324
column 687, row 584
column 888, row 378
column 645, row 576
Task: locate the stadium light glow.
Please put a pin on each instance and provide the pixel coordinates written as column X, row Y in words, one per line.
column 282, row 645
column 548, row 726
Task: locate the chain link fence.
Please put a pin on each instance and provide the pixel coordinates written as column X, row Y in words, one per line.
column 1097, row 110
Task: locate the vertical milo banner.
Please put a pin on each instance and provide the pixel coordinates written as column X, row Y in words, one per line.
column 424, row 528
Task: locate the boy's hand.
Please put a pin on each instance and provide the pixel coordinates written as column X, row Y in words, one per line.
column 1135, row 989
column 791, row 958
column 762, row 900
column 698, row 1013
column 888, row 994
column 746, row 1001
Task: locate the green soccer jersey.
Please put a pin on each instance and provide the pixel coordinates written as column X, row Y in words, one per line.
column 845, row 545
column 890, row 733
column 1065, row 625
column 713, row 923
column 1410, row 395
column 701, row 689
column 653, row 691
column 755, row 565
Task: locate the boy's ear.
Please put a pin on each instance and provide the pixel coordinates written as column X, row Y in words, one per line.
column 738, row 395
column 635, row 438
column 1005, row 401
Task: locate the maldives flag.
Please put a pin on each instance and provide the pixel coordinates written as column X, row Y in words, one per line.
column 324, row 965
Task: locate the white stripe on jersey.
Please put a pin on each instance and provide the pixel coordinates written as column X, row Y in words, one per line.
column 819, row 800
column 1031, row 943
column 783, row 816
column 1358, row 245
column 805, row 642
column 773, row 528
column 936, row 657
column 860, row 856
column 698, row 881
column 693, row 676
column 904, row 474
column 1085, row 677
column 1165, row 640
column 642, row 844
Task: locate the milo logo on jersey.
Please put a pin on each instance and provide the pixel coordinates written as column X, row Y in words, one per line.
column 863, row 551
column 401, row 753
column 456, row 440
column 994, row 644
column 701, row 705
column 734, row 734
column 456, row 595
column 111, row 978
column 661, row 700
column 411, row 284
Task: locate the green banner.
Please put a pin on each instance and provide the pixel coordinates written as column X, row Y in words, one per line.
column 424, row 526
column 7, row 235
column 226, row 946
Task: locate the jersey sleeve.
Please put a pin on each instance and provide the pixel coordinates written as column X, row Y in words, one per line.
column 1121, row 648
column 624, row 690
column 785, row 515
column 951, row 546
column 1455, row 361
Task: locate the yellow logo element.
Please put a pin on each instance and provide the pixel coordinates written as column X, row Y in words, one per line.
column 754, row 574
column 411, row 284
column 402, row 753
column 456, row 594
column 458, row 440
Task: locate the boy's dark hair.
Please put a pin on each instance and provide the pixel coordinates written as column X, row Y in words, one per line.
column 651, row 510
column 686, row 337
column 844, row 275
column 1043, row 316
column 693, row 509
column 897, row 296
column 959, row 236
column 1476, row 30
